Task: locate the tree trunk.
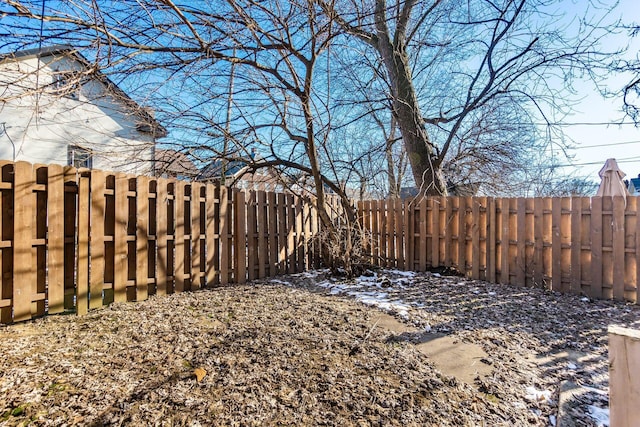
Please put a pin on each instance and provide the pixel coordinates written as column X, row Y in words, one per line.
column 423, row 158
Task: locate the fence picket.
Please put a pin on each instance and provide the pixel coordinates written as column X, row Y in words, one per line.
column 476, row 227
column 225, row 237
column 618, row 247
column 196, row 233
column 181, row 283
column 23, row 265
column 142, row 238
column 162, row 234
column 263, row 253
column 55, row 238
column 240, row 237
column 96, row 245
column 82, row 285
column 492, row 232
column 596, row 248
column 272, row 213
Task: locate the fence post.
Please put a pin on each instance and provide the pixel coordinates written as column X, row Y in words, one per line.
column 624, row 376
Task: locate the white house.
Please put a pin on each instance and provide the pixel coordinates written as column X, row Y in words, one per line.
column 56, row 107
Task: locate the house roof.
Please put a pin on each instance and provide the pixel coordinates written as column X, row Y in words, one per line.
column 214, row 170
column 174, row 163
column 231, row 168
column 148, row 123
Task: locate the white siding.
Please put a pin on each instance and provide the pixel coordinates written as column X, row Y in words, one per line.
column 42, row 124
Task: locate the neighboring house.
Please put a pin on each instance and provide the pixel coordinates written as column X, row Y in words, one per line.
column 460, row 189
column 174, row 164
column 237, row 173
column 634, row 186
column 56, row 107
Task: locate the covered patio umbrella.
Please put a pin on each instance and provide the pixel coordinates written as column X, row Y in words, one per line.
column 612, row 184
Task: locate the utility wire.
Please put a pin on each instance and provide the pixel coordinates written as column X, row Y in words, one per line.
column 606, row 145
column 623, row 160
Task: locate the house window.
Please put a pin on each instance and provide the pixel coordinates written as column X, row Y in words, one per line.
column 66, row 84
column 79, row 157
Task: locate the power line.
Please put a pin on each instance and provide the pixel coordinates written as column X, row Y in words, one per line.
column 606, row 145
column 623, row 160
column 585, row 123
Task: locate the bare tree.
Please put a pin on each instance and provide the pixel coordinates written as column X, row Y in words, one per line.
column 469, row 56
column 226, row 77
column 631, row 91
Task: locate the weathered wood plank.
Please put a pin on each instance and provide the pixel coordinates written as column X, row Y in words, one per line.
column 181, row 283
column 521, row 237
column 618, row 247
column 23, row 262
column 422, row 247
column 282, row 233
column 596, row 247
column 96, row 280
column 55, row 238
column 400, row 235
column 263, row 233
column 120, row 238
column 273, row 234
column 492, row 233
column 240, row 237
column 142, row 238
column 225, row 238
column 624, row 368
column 82, row 269
column 162, row 242
column 476, row 230
column 252, row 238
column 196, row 230
column 565, row 245
column 504, row 242
column 299, row 241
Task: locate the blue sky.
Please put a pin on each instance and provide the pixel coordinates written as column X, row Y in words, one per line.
column 597, row 141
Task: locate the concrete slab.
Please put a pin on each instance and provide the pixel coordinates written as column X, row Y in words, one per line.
column 451, row 356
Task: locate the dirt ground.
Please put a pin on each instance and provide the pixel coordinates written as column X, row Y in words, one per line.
column 303, row 350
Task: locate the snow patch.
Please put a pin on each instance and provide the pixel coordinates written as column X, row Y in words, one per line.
column 410, row 274
column 368, row 297
column 600, row 415
column 535, row 395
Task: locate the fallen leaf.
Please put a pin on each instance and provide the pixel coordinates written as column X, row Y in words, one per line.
column 199, row 373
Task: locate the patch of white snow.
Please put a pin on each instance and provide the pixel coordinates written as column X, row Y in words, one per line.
column 600, row 415
column 535, row 395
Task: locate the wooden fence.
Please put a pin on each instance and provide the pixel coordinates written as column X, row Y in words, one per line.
column 580, row 245
column 73, row 240
column 79, row 239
